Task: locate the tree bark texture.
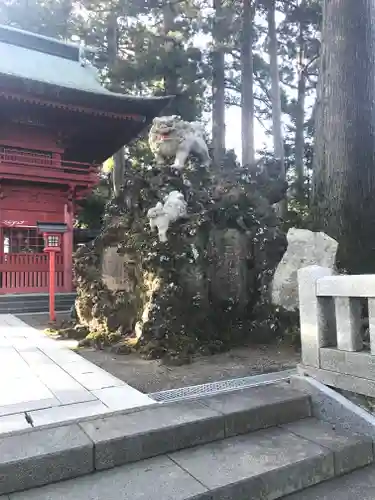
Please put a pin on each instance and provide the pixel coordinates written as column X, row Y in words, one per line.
column 343, row 197
column 247, row 85
column 112, row 48
column 300, row 121
column 170, row 76
column 66, row 11
column 218, row 85
column 276, row 98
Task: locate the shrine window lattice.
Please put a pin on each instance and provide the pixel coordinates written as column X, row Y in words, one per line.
column 22, row 240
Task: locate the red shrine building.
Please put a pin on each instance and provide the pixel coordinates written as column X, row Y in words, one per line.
column 58, row 125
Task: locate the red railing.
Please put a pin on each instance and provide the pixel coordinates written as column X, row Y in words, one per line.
column 39, row 159
column 28, row 272
column 14, row 156
column 37, row 164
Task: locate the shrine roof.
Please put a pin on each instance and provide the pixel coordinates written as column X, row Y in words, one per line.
column 28, row 60
column 42, row 59
column 48, row 74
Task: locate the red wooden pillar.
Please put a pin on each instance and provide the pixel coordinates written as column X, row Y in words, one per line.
column 2, row 255
column 68, row 248
column 1, row 240
column 56, row 159
column 52, row 283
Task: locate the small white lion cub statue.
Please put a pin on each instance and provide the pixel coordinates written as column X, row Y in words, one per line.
column 162, row 215
column 172, row 137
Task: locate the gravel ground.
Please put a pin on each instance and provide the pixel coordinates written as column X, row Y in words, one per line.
column 152, row 376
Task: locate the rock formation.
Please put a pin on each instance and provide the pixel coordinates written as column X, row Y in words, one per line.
column 305, row 248
column 202, row 283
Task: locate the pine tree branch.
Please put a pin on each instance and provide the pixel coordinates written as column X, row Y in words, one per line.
column 263, row 87
column 256, row 98
column 262, row 124
column 309, row 63
column 288, row 84
column 231, row 85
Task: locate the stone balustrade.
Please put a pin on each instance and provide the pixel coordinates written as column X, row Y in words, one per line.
column 331, row 319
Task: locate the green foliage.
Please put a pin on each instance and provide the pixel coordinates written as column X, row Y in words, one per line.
column 47, row 17
column 91, row 212
column 206, row 288
column 165, row 46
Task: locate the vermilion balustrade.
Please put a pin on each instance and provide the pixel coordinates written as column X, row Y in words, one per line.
column 37, row 167
column 28, row 272
column 8, row 155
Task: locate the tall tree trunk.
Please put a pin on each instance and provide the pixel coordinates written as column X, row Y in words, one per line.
column 276, row 98
column 299, row 143
column 218, row 85
column 170, row 76
column 112, row 49
column 66, row 12
column 343, row 199
column 247, row 84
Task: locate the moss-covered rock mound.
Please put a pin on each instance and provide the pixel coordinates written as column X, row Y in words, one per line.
column 203, row 290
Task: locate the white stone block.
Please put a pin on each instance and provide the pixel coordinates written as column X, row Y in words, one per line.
column 67, row 413
column 316, row 315
column 24, row 344
column 347, row 286
column 36, row 357
column 49, row 371
column 71, row 396
column 11, row 423
column 123, row 398
column 43, row 377
column 97, row 380
column 18, row 390
column 371, row 318
column 348, row 324
column 60, row 355
column 65, row 388
column 305, row 248
column 79, row 365
column 25, row 406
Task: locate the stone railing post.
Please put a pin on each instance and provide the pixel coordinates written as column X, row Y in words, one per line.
column 371, row 319
column 317, row 317
column 348, row 323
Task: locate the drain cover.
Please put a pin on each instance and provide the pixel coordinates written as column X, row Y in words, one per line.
column 197, row 391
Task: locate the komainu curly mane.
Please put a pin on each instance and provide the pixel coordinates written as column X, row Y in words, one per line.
column 172, row 137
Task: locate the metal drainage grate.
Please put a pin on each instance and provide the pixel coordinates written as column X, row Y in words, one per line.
column 197, row 391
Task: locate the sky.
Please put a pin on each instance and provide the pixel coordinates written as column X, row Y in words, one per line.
column 233, row 113
column 233, row 131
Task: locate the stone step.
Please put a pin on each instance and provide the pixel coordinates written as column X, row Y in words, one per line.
column 263, row 465
column 46, row 455
column 31, row 303
column 359, row 485
column 21, row 297
column 32, row 309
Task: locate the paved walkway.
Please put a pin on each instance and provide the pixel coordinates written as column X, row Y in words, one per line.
column 43, row 382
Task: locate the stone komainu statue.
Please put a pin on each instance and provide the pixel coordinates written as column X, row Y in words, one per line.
column 162, row 215
column 172, row 137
